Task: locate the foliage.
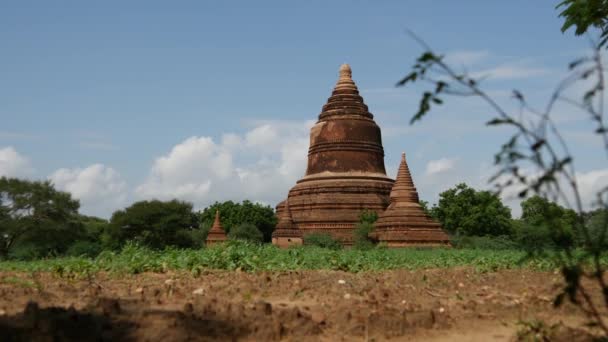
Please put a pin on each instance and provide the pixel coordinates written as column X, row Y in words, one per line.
column 233, row 214
column 536, row 159
column 494, row 243
column 84, row 248
column 368, row 216
column 595, row 224
column 585, row 14
column 546, row 224
column 246, row 232
column 322, row 240
column 361, row 239
column 465, row 211
column 154, row 224
column 361, row 235
column 36, row 218
column 246, row 256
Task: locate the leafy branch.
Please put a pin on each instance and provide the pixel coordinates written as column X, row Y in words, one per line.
column 537, row 143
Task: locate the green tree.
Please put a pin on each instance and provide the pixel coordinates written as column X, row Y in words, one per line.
column 246, row 231
column 155, row 224
column 546, row 224
column 91, row 242
column 234, row 214
column 465, row 211
column 35, row 219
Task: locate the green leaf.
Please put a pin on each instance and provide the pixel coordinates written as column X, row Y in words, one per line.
column 409, row 78
column 499, row 121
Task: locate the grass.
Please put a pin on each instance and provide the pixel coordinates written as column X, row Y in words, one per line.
column 235, row 255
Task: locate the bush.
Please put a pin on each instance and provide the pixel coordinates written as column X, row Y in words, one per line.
column 25, row 252
column 360, row 235
column 246, row 231
column 501, row 242
column 323, row 240
column 84, row 248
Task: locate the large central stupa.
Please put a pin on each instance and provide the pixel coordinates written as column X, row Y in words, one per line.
column 345, row 173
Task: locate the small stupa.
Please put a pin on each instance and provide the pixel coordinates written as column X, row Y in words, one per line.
column 286, row 233
column 216, row 233
column 404, row 222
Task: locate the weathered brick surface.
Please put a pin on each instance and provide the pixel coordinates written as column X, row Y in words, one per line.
column 216, row 233
column 345, row 175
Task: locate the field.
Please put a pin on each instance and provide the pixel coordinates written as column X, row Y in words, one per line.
column 249, row 292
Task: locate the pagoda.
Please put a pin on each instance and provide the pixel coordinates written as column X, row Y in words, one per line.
column 404, row 223
column 286, row 233
column 216, row 233
column 345, row 173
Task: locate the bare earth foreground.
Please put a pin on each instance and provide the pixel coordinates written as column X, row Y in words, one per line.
column 458, row 304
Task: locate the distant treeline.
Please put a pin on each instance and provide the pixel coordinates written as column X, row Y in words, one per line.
column 38, row 221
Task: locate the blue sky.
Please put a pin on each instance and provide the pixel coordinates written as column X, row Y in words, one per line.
column 118, row 101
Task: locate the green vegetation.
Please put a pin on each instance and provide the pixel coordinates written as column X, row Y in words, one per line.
column 233, row 214
column 246, row 232
column 154, row 224
column 465, row 211
column 35, row 219
column 322, row 240
column 253, row 257
column 363, row 228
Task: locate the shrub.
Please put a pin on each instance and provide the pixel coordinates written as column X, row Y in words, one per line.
column 84, row 248
column 246, row 231
column 360, row 235
column 323, row 240
column 501, row 242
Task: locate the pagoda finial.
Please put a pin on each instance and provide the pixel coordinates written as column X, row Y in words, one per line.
column 345, row 71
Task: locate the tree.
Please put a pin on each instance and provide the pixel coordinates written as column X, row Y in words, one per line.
column 91, row 243
column 154, row 224
column 234, row 214
column 585, row 14
column 545, row 224
column 464, row 211
column 247, row 232
column 35, row 219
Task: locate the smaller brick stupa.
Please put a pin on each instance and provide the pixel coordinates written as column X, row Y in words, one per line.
column 216, row 233
column 286, row 232
column 404, row 223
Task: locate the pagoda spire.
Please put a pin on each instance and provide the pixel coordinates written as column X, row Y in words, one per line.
column 404, row 189
column 216, row 233
column 286, row 232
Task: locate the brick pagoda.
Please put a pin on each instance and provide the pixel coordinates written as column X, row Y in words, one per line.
column 404, row 223
column 216, row 233
column 345, row 172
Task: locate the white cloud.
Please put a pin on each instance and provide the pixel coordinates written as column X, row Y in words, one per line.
column 466, row 57
column 589, row 184
column 262, row 136
column 100, row 189
column 13, row 164
column 509, row 72
column 442, row 165
column 271, row 157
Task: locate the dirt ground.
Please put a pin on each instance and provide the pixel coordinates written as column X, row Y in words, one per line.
column 458, row 304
